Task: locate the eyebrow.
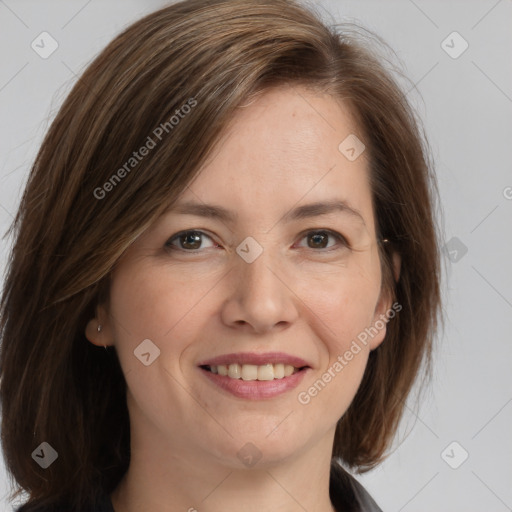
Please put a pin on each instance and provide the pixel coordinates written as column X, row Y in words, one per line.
column 301, row 212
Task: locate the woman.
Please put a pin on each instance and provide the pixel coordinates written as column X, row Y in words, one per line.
column 225, row 275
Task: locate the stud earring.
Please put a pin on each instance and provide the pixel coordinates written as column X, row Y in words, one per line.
column 99, row 330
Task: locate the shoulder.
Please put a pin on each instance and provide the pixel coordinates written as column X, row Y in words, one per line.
column 347, row 493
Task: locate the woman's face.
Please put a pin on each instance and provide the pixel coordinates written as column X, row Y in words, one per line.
column 273, row 280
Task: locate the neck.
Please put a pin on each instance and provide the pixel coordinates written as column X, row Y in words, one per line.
column 173, row 480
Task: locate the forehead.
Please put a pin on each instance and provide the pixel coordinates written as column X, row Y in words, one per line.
column 283, row 149
column 292, row 122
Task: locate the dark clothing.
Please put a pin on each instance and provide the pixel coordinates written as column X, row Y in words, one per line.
column 347, row 495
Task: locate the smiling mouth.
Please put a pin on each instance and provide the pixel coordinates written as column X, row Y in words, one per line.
column 253, row 372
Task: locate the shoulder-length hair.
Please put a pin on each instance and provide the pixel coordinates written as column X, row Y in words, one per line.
column 88, row 198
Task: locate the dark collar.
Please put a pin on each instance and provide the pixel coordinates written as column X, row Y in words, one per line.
column 347, row 494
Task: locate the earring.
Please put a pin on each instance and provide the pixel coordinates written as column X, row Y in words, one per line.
column 99, row 330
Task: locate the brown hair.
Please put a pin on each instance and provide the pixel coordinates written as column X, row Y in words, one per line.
column 58, row 387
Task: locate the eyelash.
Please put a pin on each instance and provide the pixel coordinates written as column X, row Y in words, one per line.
column 339, row 237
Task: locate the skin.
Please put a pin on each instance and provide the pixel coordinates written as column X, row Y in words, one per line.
column 281, row 151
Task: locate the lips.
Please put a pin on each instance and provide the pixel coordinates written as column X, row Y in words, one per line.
column 255, row 376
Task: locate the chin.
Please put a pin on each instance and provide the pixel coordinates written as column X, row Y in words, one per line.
column 260, row 450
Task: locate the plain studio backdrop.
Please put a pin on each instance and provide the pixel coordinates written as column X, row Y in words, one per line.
column 454, row 451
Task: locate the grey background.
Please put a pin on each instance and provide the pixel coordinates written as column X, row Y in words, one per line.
column 466, row 105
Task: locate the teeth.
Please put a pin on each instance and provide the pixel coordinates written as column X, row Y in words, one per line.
column 254, row 372
column 234, row 371
column 249, row 372
column 279, row 371
column 266, row 372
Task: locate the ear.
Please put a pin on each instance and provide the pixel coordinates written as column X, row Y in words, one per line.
column 384, row 307
column 102, row 337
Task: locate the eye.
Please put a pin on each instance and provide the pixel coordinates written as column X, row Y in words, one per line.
column 319, row 238
column 190, row 241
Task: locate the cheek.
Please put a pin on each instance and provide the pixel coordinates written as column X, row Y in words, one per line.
column 344, row 308
column 344, row 300
column 150, row 303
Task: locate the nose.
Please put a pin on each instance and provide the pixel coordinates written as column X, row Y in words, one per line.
column 260, row 296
